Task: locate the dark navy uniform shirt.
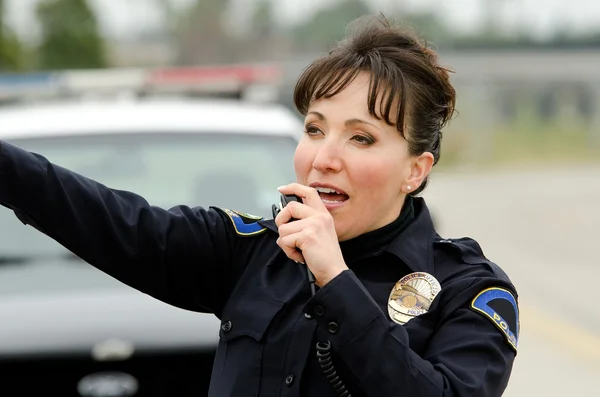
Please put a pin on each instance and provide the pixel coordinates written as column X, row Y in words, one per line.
column 227, row 263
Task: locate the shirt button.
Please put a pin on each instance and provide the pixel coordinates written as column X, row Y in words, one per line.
column 289, row 380
column 319, row 310
column 226, row 326
column 333, row 327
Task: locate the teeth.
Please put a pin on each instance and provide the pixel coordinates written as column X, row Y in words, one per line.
column 326, row 190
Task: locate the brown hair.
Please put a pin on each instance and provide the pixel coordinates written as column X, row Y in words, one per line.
column 404, row 71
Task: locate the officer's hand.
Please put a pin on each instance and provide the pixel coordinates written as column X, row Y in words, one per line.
column 313, row 233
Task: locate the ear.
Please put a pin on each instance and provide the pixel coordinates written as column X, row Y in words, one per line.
column 420, row 166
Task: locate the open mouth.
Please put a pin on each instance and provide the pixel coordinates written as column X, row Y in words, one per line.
column 331, row 196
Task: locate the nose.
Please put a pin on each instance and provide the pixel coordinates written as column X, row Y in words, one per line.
column 328, row 157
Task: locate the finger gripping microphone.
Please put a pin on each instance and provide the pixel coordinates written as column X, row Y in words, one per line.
column 285, row 199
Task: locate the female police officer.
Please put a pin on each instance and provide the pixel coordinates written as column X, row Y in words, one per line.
column 397, row 310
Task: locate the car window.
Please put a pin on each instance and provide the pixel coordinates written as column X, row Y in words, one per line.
column 226, row 170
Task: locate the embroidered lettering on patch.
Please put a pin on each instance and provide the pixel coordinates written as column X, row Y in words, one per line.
column 500, row 306
column 245, row 224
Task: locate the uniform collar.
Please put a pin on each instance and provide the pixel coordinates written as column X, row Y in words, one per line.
column 375, row 242
column 413, row 245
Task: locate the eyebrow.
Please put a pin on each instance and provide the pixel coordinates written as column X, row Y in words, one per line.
column 347, row 123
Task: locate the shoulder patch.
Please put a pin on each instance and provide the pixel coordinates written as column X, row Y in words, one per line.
column 245, row 224
column 500, row 306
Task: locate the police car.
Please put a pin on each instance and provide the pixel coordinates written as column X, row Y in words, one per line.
column 69, row 329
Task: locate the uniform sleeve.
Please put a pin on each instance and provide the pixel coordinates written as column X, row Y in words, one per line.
column 180, row 256
column 468, row 355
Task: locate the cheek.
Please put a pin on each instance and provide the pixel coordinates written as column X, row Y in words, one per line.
column 378, row 180
column 372, row 176
column 302, row 161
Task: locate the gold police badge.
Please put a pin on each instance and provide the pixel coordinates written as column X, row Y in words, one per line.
column 411, row 296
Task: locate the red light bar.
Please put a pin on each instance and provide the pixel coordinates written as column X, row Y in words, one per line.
column 211, row 75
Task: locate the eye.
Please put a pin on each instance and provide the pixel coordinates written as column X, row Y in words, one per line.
column 363, row 139
column 312, row 130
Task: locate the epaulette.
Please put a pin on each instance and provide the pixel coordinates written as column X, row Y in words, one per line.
column 467, row 248
column 471, row 253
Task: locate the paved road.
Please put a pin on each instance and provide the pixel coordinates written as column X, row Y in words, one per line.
column 542, row 227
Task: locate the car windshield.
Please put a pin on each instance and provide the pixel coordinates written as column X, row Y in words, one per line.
column 239, row 172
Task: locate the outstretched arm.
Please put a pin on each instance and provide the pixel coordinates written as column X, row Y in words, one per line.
column 182, row 256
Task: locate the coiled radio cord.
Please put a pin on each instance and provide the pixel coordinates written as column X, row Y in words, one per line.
column 326, row 363
column 324, row 354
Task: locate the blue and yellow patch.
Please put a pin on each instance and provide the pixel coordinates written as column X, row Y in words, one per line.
column 245, row 224
column 500, row 306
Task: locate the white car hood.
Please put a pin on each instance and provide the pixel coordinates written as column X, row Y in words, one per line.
column 103, row 322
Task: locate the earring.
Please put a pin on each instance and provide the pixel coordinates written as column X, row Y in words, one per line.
column 408, row 188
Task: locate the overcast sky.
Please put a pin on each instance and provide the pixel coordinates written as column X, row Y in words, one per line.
column 123, row 17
